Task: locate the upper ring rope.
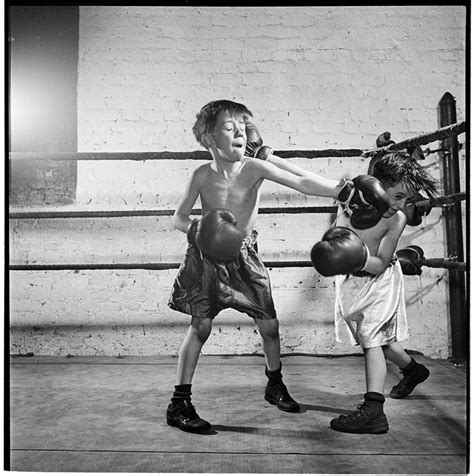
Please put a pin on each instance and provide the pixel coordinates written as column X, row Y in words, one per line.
column 440, row 134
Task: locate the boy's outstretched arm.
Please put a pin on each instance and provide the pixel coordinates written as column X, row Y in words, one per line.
column 285, row 165
column 308, row 183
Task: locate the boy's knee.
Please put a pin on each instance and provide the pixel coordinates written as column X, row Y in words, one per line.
column 202, row 328
column 269, row 329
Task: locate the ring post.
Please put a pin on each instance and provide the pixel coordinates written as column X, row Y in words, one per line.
column 453, row 230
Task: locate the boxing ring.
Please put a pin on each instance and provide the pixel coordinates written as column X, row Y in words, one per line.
column 449, row 203
column 107, row 413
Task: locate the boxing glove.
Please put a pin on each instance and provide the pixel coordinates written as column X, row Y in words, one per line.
column 410, row 259
column 416, row 152
column 415, row 212
column 340, row 251
column 192, row 230
column 217, row 236
column 366, row 200
column 384, row 140
column 254, row 147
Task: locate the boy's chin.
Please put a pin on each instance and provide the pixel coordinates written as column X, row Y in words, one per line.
column 236, row 157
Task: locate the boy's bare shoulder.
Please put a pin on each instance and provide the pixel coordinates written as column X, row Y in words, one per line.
column 397, row 221
column 398, row 218
column 202, row 172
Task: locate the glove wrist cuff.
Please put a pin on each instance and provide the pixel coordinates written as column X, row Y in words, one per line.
column 366, row 258
column 346, row 191
column 262, row 152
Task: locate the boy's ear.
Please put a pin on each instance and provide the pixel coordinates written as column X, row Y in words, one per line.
column 208, row 140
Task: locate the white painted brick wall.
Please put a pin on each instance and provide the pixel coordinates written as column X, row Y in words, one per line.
column 316, row 77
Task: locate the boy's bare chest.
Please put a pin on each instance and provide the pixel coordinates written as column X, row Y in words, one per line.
column 224, row 191
column 371, row 236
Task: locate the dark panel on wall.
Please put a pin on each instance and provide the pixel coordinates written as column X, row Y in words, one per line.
column 43, row 58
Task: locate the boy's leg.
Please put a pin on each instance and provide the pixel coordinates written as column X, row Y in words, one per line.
column 181, row 413
column 369, row 417
column 275, row 392
column 375, row 369
column 413, row 372
column 196, row 337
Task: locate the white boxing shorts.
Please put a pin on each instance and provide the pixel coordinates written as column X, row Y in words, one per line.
column 370, row 311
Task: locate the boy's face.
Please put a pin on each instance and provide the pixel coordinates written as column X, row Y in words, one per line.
column 228, row 137
column 399, row 196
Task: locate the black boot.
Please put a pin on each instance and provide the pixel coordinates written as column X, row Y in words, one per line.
column 277, row 394
column 182, row 414
column 369, row 417
column 413, row 374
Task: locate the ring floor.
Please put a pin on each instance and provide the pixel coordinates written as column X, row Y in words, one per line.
column 104, row 414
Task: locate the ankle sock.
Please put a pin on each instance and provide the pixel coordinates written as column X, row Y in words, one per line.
column 374, row 402
column 411, row 366
column 181, row 393
column 274, row 377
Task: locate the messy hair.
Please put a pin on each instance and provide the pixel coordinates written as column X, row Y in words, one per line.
column 399, row 167
column 207, row 116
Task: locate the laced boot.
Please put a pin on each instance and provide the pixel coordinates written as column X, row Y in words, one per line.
column 413, row 374
column 369, row 417
column 182, row 414
column 277, row 394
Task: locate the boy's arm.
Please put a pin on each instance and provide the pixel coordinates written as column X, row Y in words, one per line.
column 285, row 165
column 181, row 220
column 309, row 183
column 388, row 244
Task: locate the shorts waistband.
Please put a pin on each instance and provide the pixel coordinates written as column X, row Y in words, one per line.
column 365, row 274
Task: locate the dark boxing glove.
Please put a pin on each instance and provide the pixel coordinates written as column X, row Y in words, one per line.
column 217, row 236
column 340, row 251
column 254, row 147
column 414, row 212
column 366, row 200
column 384, row 140
column 416, row 152
column 410, row 259
column 192, row 230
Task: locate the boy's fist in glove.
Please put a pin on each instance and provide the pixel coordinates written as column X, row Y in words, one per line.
column 216, row 235
column 414, row 212
column 255, row 147
column 366, row 200
column 410, row 259
column 340, row 251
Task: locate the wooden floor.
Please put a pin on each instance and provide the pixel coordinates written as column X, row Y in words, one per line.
column 108, row 415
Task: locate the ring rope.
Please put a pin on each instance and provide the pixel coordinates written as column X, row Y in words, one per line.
column 442, row 263
column 430, row 263
column 443, row 133
column 434, row 202
column 447, row 200
column 159, row 212
column 440, row 134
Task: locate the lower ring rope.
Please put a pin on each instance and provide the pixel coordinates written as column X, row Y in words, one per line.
column 130, row 213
